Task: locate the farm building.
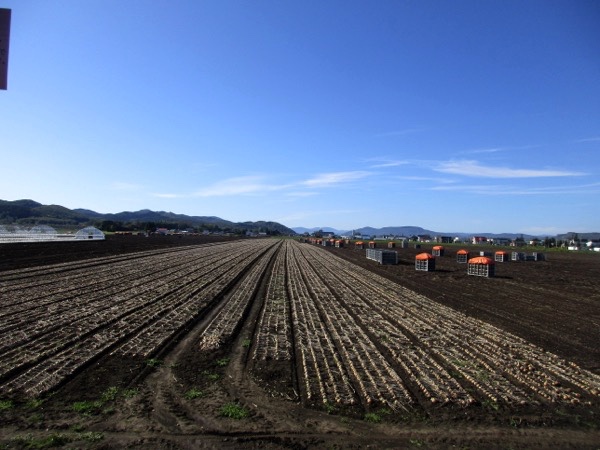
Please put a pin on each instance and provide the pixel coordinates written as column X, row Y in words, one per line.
column 501, row 256
column 382, row 256
column 437, row 250
column 425, row 262
column 462, row 256
column 89, row 233
column 481, row 266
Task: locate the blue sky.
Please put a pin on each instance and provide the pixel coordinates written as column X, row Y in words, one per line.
column 471, row 116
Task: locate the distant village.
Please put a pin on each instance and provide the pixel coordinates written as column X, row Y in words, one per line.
column 574, row 243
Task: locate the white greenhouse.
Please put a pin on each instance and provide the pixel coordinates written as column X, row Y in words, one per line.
column 45, row 233
column 89, row 233
column 14, row 233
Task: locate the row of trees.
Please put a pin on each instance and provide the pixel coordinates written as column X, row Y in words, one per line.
column 150, row 227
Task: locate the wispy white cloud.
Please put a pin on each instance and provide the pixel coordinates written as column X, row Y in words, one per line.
column 591, row 139
column 498, row 149
column 471, row 168
column 301, row 194
column 260, row 185
column 166, row 195
column 334, row 178
column 591, row 188
column 420, row 178
column 249, row 185
column 389, row 163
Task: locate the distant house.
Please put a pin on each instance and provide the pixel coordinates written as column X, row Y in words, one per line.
column 443, row 239
column 424, row 238
column 518, row 242
column 591, row 244
column 479, row 239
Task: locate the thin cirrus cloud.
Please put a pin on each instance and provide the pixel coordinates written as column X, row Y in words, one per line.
column 498, row 149
column 591, row 188
column 389, row 163
column 475, row 169
column 302, row 194
column 250, row 185
column 334, row 178
column 257, row 185
column 166, row 195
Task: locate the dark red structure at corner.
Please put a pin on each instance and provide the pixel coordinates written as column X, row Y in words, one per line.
column 4, row 43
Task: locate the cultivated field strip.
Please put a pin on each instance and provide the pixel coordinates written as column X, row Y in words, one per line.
column 375, row 380
column 72, row 277
column 273, row 335
column 346, row 335
column 323, row 375
column 67, row 335
column 219, row 280
column 69, row 304
column 87, row 305
column 26, row 276
column 183, row 305
column 225, row 324
column 48, row 353
column 447, row 353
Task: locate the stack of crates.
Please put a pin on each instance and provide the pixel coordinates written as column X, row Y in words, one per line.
column 438, row 250
column 462, row 256
column 482, row 266
column 382, row 256
column 518, row 256
column 425, row 262
column 501, row 256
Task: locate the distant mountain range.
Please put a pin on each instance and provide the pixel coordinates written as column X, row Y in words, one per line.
column 416, row 231
column 29, row 213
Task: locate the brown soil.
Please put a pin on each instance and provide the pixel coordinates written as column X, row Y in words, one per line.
column 554, row 304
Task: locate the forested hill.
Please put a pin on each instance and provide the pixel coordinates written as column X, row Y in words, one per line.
column 28, row 213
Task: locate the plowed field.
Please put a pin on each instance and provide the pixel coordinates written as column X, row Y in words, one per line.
column 197, row 342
